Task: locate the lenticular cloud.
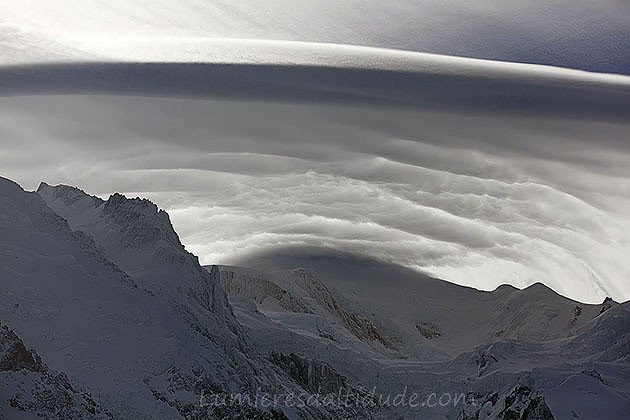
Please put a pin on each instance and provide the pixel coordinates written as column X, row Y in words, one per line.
column 476, row 198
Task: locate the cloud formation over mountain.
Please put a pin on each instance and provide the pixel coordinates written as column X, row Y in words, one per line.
column 536, row 191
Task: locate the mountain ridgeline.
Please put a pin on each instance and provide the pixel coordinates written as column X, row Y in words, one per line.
column 105, row 315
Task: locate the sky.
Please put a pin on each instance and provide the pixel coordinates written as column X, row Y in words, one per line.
column 476, row 171
column 585, row 34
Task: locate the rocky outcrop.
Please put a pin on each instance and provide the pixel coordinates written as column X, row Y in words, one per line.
column 141, row 221
column 607, row 304
column 522, row 403
column 196, row 396
column 327, row 388
column 13, row 354
column 577, row 312
column 358, row 325
column 314, row 376
column 484, row 361
column 256, row 288
column 519, row 403
column 28, row 387
column 428, row 330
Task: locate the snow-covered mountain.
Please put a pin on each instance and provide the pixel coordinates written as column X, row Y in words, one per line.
column 124, row 311
column 523, row 354
column 109, row 316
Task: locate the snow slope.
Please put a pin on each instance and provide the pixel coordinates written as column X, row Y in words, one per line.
column 140, row 239
column 515, row 351
column 126, row 314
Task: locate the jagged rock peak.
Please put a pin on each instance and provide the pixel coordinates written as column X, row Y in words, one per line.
column 66, row 193
column 136, row 204
column 607, row 304
column 142, row 218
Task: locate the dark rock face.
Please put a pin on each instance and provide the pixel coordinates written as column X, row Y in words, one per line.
column 349, row 402
column 36, row 390
column 214, row 402
column 606, row 305
column 484, row 361
column 524, row 404
column 538, row 410
column 314, row 376
column 520, row 403
column 141, row 220
column 429, row 330
column 257, row 289
column 577, row 312
column 357, row 324
column 13, row 354
column 594, row 374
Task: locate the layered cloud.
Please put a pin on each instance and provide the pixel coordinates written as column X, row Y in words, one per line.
column 475, row 195
column 584, row 34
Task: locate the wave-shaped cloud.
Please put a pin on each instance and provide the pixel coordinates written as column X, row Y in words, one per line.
column 476, row 197
column 579, row 34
